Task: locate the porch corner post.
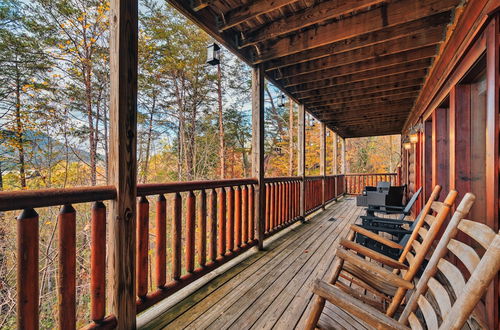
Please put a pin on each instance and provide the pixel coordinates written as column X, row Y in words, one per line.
column 123, row 164
column 322, row 162
column 301, row 152
column 334, row 161
column 343, row 164
column 258, row 150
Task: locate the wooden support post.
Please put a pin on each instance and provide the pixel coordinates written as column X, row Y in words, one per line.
column 123, row 164
column 258, row 151
column 301, row 162
column 492, row 153
column 344, row 161
column 334, row 158
column 322, row 162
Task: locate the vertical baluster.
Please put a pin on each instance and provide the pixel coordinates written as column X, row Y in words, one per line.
column 66, row 284
column 177, row 237
column 287, row 201
column 272, row 206
column 190, row 231
column 98, row 262
column 282, row 204
column 202, row 229
column 251, row 213
column 230, row 220
column 142, row 246
column 237, row 217
column 244, row 214
column 268, row 207
column 213, row 226
column 161, row 241
column 27, row 270
column 222, row 222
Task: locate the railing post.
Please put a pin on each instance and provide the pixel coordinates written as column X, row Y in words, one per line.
column 322, row 162
column 301, row 136
column 258, row 150
column 123, row 164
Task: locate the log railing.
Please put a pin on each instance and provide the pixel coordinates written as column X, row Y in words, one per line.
column 356, row 182
column 211, row 222
column 191, row 229
column 282, row 203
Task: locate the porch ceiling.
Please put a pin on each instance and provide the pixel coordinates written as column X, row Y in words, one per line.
column 357, row 65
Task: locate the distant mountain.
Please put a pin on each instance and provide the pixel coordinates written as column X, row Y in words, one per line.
column 37, row 150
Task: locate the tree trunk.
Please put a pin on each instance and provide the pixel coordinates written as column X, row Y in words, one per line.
column 222, row 144
column 148, row 142
column 1, row 176
column 87, row 72
column 291, row 152
column 19, row 134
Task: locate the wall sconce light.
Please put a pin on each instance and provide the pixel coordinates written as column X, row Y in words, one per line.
column 213, row 54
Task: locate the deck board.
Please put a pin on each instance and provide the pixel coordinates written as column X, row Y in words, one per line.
column 271, row 289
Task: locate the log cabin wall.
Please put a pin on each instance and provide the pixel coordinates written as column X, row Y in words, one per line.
column 459, row 111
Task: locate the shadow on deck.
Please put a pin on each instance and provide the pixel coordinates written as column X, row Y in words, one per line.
column 269, row 289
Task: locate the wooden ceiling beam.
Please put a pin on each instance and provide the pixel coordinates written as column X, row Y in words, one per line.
column 274, row 60
column 359, row 67
column 392, row 14
column 387, row 80
column 375, row 116
column 362, row 105
column 369, row 95
column 348, row 101
column 334, row 92
column 318, row 13
column 366, row 108
column 418, row 66
column 251, row 10
column 375, row 52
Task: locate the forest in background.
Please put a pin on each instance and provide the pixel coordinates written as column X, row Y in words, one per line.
column 54, row 121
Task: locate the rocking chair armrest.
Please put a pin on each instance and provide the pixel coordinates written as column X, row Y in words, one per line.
column 385, row 220
column 376, row 207
column 355, row 307
column 378, row 273
column 375, row 237
column 367, row 252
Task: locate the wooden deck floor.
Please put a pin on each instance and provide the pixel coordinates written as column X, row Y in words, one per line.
column 271, row 289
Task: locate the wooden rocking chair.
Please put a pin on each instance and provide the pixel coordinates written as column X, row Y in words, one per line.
column 444, row 298
column 388, row 287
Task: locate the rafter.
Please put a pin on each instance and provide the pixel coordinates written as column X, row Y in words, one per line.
column 361, row 95
column 366, row 116
column 419, row 66
column 382, row 62
column 251, row 10
column 361, row 105
column 387, row 80
column 391, row 97
column 334, row 93
column 392, row 14
column 367, row 107
column 273, row 60
column 313, row 15
column 392, row 48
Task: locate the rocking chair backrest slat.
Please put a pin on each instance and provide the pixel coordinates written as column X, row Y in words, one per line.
column 420, row 249
column 411, row 202
column 420, row 221
column 454, row 305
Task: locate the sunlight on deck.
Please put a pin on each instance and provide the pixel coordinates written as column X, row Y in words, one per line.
column 270, row 289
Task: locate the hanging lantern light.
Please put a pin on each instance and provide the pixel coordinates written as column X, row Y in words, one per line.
column 413, row 136
column 281, row 101
column 213, row 54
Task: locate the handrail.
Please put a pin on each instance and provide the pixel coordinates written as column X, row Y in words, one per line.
column 367, row 174
column 18, row 200
column 174, row 187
